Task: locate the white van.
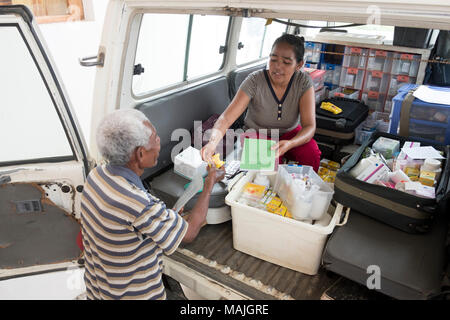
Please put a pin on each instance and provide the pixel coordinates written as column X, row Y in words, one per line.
column 178, row 62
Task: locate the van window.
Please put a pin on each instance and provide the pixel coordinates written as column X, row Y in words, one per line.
column 161, row 50
column 30, row 127
column 209, row 33
column 256, row 39
column 173, row 48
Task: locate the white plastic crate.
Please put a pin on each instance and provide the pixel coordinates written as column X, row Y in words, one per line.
column 302, row 204
column 283, row 241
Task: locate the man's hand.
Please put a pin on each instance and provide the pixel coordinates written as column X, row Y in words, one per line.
column 214, row 175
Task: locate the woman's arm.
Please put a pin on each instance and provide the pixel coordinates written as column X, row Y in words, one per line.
column 226, row 119
column 307, row 107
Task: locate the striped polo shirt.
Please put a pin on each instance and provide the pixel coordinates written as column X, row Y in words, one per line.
column 125, row 232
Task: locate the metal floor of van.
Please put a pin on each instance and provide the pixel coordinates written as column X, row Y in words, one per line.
column 259, row 279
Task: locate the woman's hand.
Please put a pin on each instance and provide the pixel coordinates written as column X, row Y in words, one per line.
column 208, row 151
column 282, row 147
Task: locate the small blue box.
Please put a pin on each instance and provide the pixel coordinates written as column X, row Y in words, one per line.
column 428, row 122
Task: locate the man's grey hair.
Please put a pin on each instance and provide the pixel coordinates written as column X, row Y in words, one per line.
column 120, row 133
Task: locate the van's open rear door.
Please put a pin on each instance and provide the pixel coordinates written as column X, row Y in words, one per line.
column 43, row 159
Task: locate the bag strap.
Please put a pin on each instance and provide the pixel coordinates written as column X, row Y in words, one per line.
column 404, row 114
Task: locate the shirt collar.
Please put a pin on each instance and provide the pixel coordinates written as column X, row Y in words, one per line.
column 126, row 173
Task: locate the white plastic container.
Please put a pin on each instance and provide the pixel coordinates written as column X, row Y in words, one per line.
column 304, row 205
column 286, row 242
column 189, row 163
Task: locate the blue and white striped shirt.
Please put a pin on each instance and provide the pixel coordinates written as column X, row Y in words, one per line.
column 125, row 232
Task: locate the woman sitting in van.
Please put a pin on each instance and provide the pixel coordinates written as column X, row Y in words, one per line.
column 282, row 98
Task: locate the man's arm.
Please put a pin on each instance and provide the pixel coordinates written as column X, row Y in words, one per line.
column 197, row 218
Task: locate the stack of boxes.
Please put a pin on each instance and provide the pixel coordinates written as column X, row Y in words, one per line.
column 332, row 64
column 404, row 70
column 317, row 77
column 372, row 75
column 353, row 68
column 312, row 55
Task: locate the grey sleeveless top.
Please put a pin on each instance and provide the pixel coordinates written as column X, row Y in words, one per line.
column 264, row 110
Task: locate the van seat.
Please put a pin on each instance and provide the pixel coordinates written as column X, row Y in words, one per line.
column 179, row 111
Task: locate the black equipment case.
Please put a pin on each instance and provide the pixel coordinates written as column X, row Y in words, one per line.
column 408, row 266
column 399, row 209
column 339, row 128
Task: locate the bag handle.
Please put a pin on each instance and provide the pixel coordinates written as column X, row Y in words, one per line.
column 404, row 114
column 347, row 213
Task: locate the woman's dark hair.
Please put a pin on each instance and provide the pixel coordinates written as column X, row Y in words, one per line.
column 298, row 43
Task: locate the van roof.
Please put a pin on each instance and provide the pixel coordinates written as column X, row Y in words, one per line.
column 405, row 13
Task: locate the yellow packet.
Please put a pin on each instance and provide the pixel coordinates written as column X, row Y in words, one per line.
column 275, row 201
column 323, row 171
column 216, row 160
column 412, row 173
column 277, row 210
column 330, row 107
column 254, row 190
column 427, row 178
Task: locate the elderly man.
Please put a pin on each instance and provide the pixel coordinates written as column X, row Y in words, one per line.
column 126, row 229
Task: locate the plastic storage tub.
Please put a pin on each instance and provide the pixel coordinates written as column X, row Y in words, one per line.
column 332, row 73
column 312, row 52
column 428, row 122
column 317, row 77
column 283, row 241
column 303, row 205
column 377, row 121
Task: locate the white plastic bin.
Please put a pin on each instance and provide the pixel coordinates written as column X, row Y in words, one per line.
column 286, row 242
column 303, row 205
